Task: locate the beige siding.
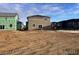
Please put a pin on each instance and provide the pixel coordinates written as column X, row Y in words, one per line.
column 44, row 21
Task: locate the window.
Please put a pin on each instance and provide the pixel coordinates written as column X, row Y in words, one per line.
column 33, row 25
column 10, row 25
column 45, row 18
column 2, row 27
column 40, row 26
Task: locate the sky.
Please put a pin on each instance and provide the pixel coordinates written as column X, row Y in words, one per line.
column 56, row 11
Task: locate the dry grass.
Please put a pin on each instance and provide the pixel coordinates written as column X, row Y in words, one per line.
column 37, row 42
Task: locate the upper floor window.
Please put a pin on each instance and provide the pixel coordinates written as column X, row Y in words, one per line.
column 33, row 25
column 46, row 19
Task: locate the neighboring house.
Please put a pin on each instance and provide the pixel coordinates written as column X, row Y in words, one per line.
column 38, row 22
column 8, row 21
column 53, row 25
column 20, row 25
column 71, row 24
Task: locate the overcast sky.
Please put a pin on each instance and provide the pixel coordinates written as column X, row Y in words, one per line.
column 57, row 12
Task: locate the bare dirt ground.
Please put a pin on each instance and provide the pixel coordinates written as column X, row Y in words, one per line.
column 38, row 42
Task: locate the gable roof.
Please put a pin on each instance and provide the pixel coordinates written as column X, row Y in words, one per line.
column 70, row 20
column 37, row 16
column 7, row 14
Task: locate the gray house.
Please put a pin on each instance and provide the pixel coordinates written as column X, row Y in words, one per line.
column 38, row 22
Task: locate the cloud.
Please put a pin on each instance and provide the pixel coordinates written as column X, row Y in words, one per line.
column 44, row 9
column 52, row 10
column 4, row 8
column 76, row 12
column 76, row 9
column 14, row 8
column 32, row 11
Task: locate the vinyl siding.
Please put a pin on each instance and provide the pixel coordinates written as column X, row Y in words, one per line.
column 6, row 21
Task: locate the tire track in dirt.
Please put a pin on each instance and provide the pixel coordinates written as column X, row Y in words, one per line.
column 36, row 42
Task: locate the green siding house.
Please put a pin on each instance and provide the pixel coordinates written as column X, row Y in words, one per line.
column 8, row 21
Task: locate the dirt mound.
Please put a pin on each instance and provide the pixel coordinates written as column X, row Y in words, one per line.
column 37, row 42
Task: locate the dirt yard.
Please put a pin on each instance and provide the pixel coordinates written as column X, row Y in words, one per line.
column 38, row 43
